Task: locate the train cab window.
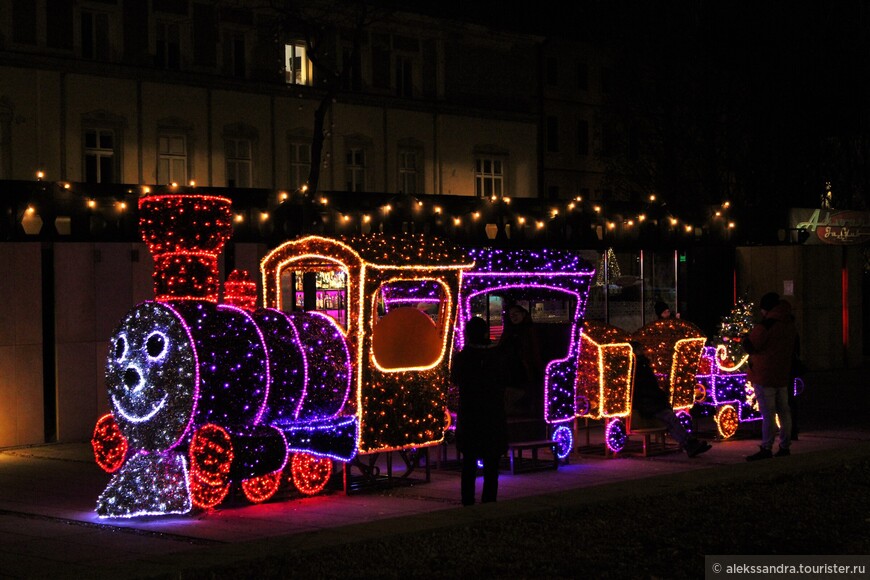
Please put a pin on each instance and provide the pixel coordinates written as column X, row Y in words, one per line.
column 319, row 288
column 551, row 312
column 407, row 327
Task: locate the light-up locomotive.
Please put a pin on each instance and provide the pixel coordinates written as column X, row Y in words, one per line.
column 207, row 395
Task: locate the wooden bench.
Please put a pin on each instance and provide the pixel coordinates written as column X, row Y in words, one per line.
column 651, row 431
column 515, row 455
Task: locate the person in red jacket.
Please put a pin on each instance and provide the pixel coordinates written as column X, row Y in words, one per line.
column 770, row 345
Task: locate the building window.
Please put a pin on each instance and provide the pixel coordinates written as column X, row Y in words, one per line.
column 607, row 80
column 297, row 66
column 608, row 141
column 409, row 174
column 234, row 54
column 59, row 24
column 404, row 77
column 552, row 71
column 95, row 35
column 171, row 158
column 355, row 169
column 24, row 21
column 168, row 45
column 583, row 137
column 5, row 139
column 300, row 163
column 99, row 150
column 552, row 134
column 205, row 36
column 488, row 176
column 582, row 76
column 239, row 162
column 351, row 79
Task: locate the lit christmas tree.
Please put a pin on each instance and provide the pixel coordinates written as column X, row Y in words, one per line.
column 613, row 271
column 729, row 352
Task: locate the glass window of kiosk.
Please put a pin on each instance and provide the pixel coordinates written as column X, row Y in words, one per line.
column 320, row 288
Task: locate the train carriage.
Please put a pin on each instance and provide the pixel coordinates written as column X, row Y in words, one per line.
column 541, row 279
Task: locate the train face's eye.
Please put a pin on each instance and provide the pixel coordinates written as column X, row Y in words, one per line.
column 120, row 348
column 155, row 346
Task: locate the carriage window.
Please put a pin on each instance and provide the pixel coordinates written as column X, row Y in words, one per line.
column 555, row 308
column 426, row 296
column 321, row 289
column 407, row 331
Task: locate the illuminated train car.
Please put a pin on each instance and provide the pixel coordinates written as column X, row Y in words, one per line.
column 205, row 396
column 607, row 366
column 395, row 301
column 724, row 393
column 554, row 284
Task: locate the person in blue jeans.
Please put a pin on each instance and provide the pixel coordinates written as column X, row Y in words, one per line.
column 770, row 345
column 478, row 371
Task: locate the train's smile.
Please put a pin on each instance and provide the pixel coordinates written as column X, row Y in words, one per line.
column 132, row 417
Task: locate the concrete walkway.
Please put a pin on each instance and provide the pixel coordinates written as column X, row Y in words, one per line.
column 48, row 528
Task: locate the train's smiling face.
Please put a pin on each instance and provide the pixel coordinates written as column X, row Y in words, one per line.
column 151, row 377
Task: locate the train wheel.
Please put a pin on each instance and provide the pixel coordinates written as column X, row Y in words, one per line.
column 211, row 455
column 310, row 473
column 109, row 444
column 727, row 421
column 564, row 440
column 615, row 435
column 259, row 489
column 686, row 421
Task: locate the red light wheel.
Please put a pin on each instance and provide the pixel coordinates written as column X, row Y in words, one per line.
column 727, row 421
column 109, row 444
column 259, row 489
column 211, row 455
column 310, row 473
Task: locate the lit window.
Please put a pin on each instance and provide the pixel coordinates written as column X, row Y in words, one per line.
column 297, row 66
column 488, row 177
column 172, row 159
column 300, row 163
column 239, row 162
column 408, row 172
column 355, row 169
column 99, row 150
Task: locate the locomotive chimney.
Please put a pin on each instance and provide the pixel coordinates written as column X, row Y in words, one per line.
column 185, row 234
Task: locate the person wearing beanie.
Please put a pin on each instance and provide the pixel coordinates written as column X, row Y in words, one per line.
column 663, row 311
column 770, row 346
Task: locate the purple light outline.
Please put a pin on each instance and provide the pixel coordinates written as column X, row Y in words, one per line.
column 265, row 357
column 298, row 340
column 306, row 426
column 579, row 309
column 340, row 335
column 196, row 391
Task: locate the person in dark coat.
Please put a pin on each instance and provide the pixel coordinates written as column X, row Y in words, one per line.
column 771, row 346
column 522, row 352
column 652, row 402
column 481, row 425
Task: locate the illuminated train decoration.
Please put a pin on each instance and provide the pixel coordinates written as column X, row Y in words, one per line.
column 547, row 273
column 205, row 396
column 607, row 365
column 349, row 355
column 724, row 393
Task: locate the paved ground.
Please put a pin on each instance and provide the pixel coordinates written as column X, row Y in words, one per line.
column 47, row 495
